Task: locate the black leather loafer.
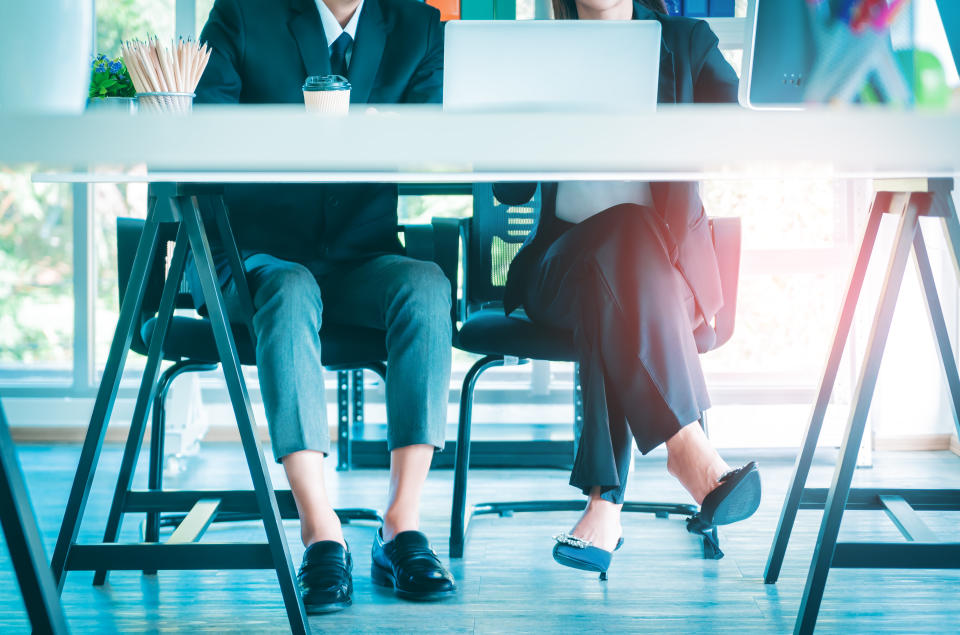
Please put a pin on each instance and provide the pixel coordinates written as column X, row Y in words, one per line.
column 325, row 577
column 408, row 565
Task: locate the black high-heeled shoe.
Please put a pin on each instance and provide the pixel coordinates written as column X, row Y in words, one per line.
column 735, row 499
column 577, row 553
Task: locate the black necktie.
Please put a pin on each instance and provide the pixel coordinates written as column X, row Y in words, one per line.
column 338, row 54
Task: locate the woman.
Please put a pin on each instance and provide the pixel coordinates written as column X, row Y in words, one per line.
column 630, row 268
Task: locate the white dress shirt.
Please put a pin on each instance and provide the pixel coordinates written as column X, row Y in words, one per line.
column 579, row 200
column 332, row 28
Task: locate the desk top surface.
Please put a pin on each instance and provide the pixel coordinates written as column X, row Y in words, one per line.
column 283, row 143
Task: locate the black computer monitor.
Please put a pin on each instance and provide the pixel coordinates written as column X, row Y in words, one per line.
column 779, row 52
column 777, row 55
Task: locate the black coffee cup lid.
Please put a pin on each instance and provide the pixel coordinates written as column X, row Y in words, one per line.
column 326, row 82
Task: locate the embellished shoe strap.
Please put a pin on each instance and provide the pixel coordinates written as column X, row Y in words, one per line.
column 566, row 539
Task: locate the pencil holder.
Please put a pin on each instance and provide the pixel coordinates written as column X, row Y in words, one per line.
column 165, row 102
column 852, row 58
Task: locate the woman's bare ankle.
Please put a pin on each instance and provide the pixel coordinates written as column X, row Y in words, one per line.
column 600, row 522
column 693, row 461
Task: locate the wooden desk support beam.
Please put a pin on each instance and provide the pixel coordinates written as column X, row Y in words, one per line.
column 193, row 525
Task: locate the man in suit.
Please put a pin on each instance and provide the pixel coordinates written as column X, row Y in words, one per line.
column 331, row 253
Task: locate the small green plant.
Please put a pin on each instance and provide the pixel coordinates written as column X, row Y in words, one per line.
column 110, row 78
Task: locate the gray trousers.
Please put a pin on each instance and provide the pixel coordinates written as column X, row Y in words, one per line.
column 407, row 298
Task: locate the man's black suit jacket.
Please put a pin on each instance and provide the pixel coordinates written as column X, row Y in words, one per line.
column 262, row 52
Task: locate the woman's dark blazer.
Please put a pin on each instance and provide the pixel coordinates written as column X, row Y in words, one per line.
column 692, row 70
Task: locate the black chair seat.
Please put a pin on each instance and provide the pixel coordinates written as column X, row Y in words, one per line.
column 490, row 332
column 192, row 338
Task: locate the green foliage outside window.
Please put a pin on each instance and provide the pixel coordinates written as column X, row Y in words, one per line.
column 119, row 20
column 35, row 270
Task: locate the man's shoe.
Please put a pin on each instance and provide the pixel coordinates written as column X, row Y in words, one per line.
column 409, row 565
column 324, row 579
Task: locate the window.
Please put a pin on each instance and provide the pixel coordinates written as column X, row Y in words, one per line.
column 36, row 279
column 119, row 20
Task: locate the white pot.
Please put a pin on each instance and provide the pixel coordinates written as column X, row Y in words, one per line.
column 45, row 54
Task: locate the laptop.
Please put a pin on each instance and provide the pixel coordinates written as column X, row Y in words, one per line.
column 551, row 65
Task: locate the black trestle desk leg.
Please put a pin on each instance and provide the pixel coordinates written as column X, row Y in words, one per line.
column 148, row 384
column 458, row 515
column 22, row 536
column 945, row 208
column 801, row 469
column 938, row 324
column 106, row 394
column 230, row 363
column 843, row 475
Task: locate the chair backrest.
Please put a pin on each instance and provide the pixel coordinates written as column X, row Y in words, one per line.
column 129, row 231
column 496, row 233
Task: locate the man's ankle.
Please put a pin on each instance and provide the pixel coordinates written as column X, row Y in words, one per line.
column 318, row 530
column 315, row 538
column 395, row 522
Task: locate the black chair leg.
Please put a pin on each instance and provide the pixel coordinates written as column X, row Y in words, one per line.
column 151, row 531
column 458, row 518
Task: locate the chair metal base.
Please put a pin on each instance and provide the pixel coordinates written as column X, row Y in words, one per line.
column 909, row 201
column 506, row 509
column 461, row 518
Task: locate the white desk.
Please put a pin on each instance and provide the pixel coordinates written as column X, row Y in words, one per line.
column 422, row 144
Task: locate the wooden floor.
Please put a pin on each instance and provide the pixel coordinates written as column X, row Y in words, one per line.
column 508, row 581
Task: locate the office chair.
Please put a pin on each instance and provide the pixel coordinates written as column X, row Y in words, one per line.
column 490, row 240
column 190, row 345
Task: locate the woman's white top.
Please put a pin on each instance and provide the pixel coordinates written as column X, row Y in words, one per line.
column 579, row 200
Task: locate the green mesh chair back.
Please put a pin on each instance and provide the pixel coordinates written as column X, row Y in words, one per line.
column 497, row 231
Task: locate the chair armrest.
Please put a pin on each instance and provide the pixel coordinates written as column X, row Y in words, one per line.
column 447, row 236
column 726, row 241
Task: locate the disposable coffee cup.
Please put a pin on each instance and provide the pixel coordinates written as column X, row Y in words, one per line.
column 327, row 94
